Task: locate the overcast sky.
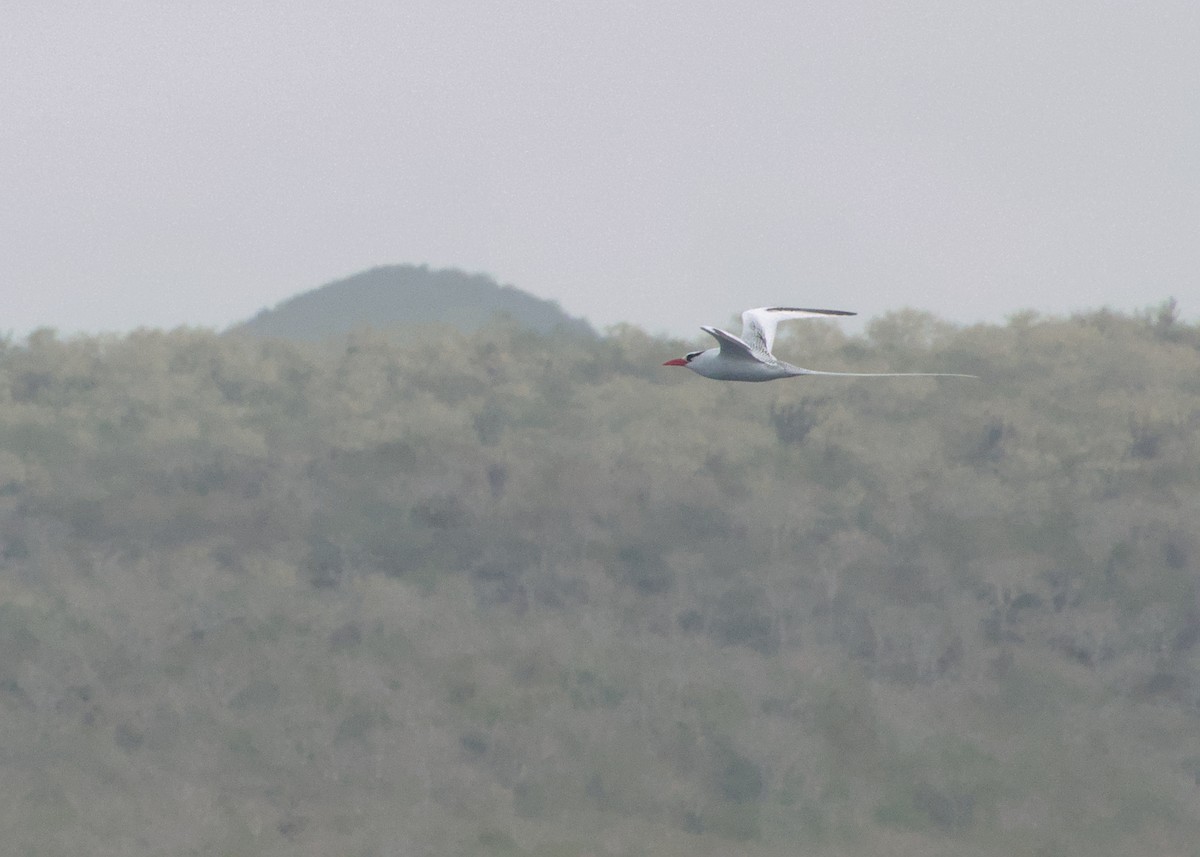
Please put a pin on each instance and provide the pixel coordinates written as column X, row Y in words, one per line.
column 665, row 163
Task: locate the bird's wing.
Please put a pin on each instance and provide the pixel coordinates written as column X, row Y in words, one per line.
column 758, row 325
column 732, row 347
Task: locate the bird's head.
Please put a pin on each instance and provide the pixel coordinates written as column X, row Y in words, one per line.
column 685, row 360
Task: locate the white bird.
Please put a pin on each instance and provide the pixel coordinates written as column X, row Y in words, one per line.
column 749, row 357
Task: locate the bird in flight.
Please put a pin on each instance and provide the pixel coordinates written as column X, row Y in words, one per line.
column 748, row 357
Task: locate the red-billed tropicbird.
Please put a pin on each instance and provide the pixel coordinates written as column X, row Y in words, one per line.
column 749, row 357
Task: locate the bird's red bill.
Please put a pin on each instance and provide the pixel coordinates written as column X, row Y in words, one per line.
column 678, row 361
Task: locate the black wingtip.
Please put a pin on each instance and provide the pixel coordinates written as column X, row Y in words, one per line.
column 805, row 309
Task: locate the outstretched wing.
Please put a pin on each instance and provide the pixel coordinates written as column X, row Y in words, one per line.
column 758, row 325
column 732, row 348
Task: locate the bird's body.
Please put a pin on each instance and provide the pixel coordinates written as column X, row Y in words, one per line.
column 749, row 358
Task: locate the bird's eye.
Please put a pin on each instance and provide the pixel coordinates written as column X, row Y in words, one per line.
column 690, row 357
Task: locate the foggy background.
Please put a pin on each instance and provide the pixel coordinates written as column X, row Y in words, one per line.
column 667, row 166
column 511, row 589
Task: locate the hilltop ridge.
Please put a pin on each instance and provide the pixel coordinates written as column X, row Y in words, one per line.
column 408, row 295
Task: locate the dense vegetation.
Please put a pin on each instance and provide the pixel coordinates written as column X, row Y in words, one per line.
column 520, row 595
column 395, row 296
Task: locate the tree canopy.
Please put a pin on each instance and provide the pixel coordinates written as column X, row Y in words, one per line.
column 531, row 594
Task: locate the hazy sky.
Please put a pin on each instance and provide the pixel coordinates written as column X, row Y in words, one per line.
column 666, row 163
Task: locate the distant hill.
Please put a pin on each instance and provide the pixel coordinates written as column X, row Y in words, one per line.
column 407, row 295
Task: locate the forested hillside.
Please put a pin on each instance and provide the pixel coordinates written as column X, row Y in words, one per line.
column 521, row 595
